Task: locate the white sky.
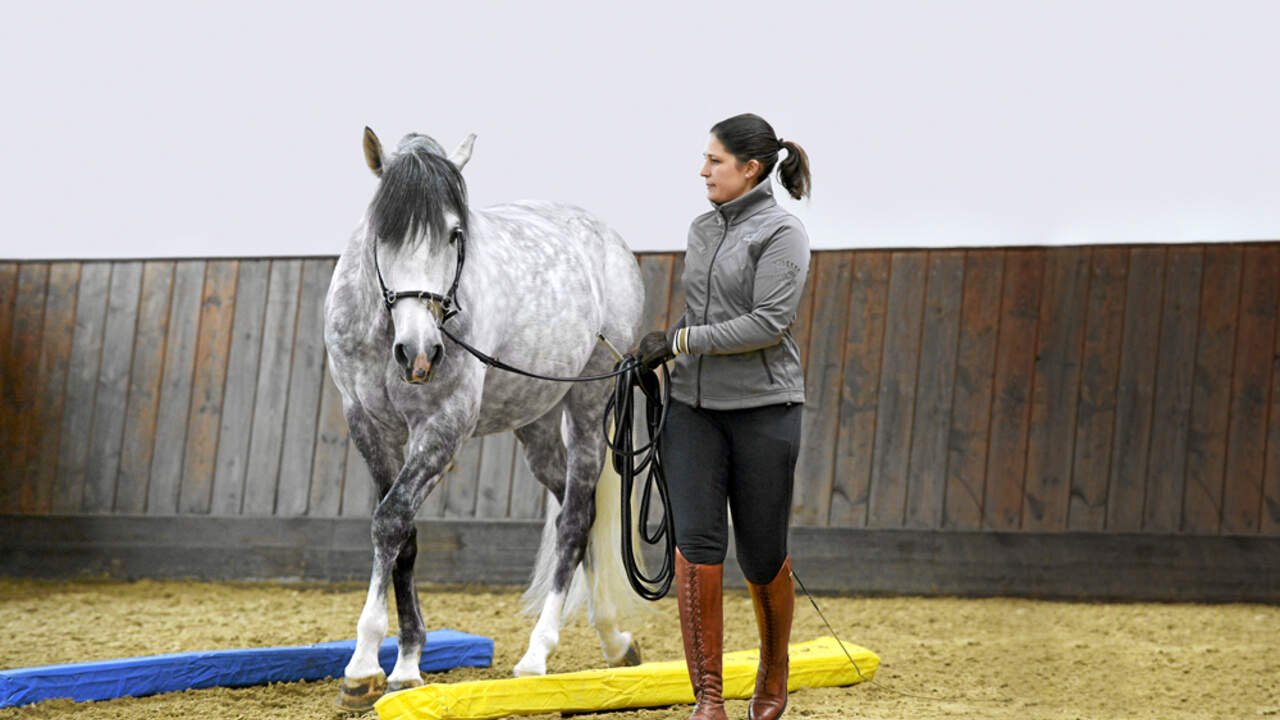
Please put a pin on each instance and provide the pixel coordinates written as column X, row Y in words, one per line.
column 202, row 129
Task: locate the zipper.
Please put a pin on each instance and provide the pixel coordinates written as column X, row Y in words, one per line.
column 765, row 363
column 706, row 306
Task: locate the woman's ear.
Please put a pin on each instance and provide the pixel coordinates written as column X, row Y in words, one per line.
column 753, row 168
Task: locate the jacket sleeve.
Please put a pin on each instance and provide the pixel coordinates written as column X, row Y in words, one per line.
column 780, row 275
column 683, row 321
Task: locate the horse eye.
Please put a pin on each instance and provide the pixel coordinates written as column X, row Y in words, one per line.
column 456, row 235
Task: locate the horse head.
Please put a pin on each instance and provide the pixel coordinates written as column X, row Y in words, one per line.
column 417, row 223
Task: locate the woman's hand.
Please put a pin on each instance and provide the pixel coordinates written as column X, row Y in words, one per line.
column 653, row 349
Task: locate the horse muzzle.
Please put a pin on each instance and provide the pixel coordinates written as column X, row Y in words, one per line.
column 421, row 368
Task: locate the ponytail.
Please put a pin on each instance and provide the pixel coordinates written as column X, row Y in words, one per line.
column 749, row 137
column 794, row 170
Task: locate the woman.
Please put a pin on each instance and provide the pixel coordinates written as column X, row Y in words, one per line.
column 733, row 428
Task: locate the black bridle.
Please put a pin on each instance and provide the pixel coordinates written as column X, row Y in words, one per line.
column 442, row 307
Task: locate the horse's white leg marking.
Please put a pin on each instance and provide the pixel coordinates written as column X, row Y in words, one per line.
column 406, row 670
column 370, row 631
column 544, row 638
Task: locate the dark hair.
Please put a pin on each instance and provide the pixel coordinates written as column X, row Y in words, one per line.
column 748, row 137
column 417, row 187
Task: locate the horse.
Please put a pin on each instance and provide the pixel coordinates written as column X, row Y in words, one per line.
column 544, row 285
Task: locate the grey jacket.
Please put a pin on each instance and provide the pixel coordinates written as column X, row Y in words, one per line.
column 744, row 270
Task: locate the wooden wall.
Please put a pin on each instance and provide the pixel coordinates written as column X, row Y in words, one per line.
column 1105, row 389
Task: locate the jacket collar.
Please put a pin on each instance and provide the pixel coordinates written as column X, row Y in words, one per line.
column 747, row 204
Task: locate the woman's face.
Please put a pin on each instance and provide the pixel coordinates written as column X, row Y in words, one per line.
column 726, row 177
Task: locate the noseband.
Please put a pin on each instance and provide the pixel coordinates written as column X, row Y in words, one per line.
column 442, row 307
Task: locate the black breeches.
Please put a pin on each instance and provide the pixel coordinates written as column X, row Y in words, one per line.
column 745, row 457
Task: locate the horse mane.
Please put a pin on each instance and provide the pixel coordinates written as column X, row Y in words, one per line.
column 418, row 186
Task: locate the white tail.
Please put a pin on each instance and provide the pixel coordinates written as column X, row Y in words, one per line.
column 611, row 593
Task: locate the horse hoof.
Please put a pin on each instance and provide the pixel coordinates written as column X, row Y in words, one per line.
column 530, row 668
column 405, row 684
column 359, row 694
column 631, row 658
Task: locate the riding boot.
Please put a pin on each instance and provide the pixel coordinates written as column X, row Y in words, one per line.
column 774, row 603
column 699, row 591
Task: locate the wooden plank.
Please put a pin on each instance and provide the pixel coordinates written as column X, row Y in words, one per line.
column 175, row 387
column 971, row 399
column 1166, row 469
column 1135, row 389
column 1084, row 566
column 859, row 389
column 272, row 396
column 144, row 387
column 82, row 384
column 18, row 492
column 113, row 387
column 306, row 378
column 8, row 374
column 815, row 466
column 1099, row 370
column 1055, row 390
column 236, row 425
column 217, row 310
column 656, row 271
column 329, row 468
column 359, row 494
column 675, row 305
column 1011, row 389
column 935, row 389
column 1251, row 381
column 1211, row 391
column 55, row 362
column 528, row 496
column 497, row 461
column 1271, row 470
column 460, row 482
column 895, row 403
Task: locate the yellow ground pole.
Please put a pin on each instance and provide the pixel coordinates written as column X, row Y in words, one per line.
column 818, row 663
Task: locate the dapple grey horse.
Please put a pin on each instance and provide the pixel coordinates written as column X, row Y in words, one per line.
column 535, row 284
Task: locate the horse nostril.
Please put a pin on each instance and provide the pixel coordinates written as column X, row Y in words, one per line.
column 402, row 358
column 436, row 352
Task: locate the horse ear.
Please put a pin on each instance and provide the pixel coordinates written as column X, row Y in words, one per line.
column 373, row 152
column 462, row 153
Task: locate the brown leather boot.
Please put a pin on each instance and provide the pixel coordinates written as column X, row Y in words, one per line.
column 775, row 603
column 699, row 594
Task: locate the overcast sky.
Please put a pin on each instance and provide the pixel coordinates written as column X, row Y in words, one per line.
column 231, row 128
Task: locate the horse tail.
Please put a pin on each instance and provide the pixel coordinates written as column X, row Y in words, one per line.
column 610, row 591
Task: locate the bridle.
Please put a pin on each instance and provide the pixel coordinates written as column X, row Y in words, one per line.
column 442, row 307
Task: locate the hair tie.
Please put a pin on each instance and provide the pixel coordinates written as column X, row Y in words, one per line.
column 781, row 143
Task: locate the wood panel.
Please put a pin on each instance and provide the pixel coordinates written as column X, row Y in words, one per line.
column 1271, row 470
column 306, row 377
column 175, row 388
column 113, row 387
column 1166, row 470
column 1211, row 389
column 497, row 459
column 675, row 305
column 236, row 425
column 1055, row 390
column 1099, row 371
column 815, row 464
column 217, row 310
column 8, row 373
column 528, row 497
column 18, row 492
column 272, row 396
column 144, row 387
column 55, row 362
column 1251, row 382
column 1011, row 389
column 896, row 401
column 859, row 389
column 935, row 390
column 971, row 399
column 459, row 484
column 1135, row 389
column 359, row 494
column 82, row 384
column 656, row 272
column 329, row 468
